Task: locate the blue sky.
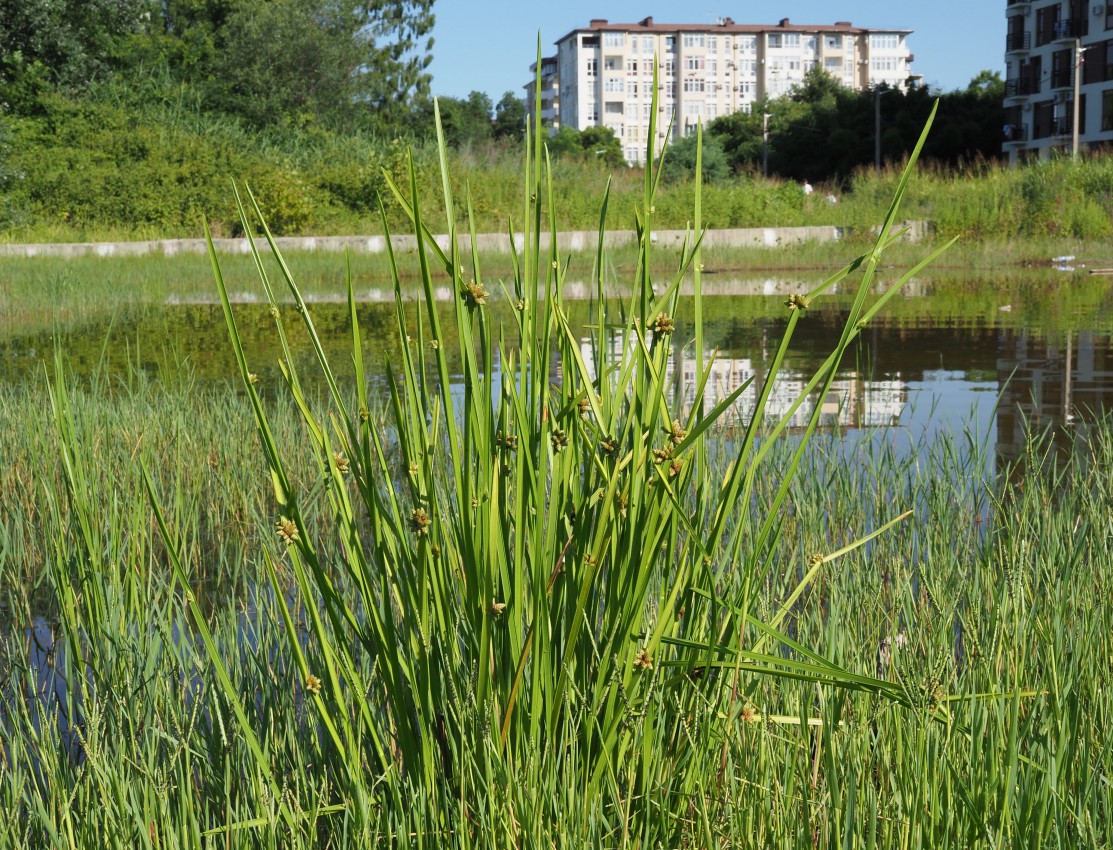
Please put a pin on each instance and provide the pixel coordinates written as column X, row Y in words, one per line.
column 488, row 45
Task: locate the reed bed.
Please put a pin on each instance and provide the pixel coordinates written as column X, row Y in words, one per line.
column 550, row 604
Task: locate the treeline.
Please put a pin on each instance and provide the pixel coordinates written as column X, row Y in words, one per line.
column 823, row 131
column 129, row 119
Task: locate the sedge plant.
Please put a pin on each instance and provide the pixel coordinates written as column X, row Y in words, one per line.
column 533, row 568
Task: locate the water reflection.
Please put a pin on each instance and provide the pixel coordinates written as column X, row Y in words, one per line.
column 919, row 369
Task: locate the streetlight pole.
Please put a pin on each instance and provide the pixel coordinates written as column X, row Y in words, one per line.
column 765, row 144
column 877, row 126
column 1077, row 74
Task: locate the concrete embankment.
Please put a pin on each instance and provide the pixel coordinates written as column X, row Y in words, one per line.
column 571, row 240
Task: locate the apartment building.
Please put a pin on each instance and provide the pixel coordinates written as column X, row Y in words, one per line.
column 603, row 73
column 1053, row 51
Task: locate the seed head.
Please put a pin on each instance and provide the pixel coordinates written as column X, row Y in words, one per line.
column 475, row 293
column 252, row 378
column 583, row 406
column 662, row 454
column 312, row 684
column 287, row 530
column 559, row 440
column 608, row 445
column 676, row 432
column 663, row 324
column 643, row 660
column 797, row 302
column 497, row 608
column 674, row 468
column 343, row 465
column 419, row 522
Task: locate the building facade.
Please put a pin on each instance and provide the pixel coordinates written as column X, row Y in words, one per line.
column 1053, row 52
column 602, row 74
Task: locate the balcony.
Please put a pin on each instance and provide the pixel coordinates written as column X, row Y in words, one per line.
column 1068, row 29
column 1018, row 6
column 1063, row 126
column 1061, row 78
column 1015, row 134
column 1021, row 87
column 1015, row 41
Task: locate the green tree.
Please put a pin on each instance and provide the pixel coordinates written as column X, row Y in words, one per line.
column 64, row 43
column 273, row 61
column 510, row 117
column 466, row 121
column 680, row 160
column 602, row 145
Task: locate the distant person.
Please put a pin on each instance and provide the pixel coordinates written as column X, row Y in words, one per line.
column 831, row 198
column 807, row 187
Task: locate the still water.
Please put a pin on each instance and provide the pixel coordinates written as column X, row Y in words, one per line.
column 940, row 358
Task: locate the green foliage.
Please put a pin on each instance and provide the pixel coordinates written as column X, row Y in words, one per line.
column 823, row 131
column 464, row 121
column 680, row 164
column 510, row 117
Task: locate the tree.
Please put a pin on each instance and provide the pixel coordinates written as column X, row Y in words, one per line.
column 510, row 117
column 601, row 145
column 345, row 62
column 680, row 159
column 740, row 136
column 64, row 43
column 466, row 121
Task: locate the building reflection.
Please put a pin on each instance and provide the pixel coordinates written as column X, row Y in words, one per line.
column 856, row 400
column 1056, row 385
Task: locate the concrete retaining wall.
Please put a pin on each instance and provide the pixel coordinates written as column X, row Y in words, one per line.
column 571, row 240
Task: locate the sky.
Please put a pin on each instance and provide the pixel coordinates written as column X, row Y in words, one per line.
column 488, row 45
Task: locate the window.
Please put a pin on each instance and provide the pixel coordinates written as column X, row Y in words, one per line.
column 647, row 45
column 833, row 42
column 612, row 63
column 633, row 152
column 670, row 68
column 747, row 43
column 1047, row 20
column 592, row 67
column 883, row 63
column 712, row 44
column 809, row 44
column 670, row 42
column 693, row 39
column 614, row 107
column 792, row 39
column 712, row 67
column 693, row 107
column 884, row 41
column 1099, row 64
column 694, row 85
column 794, row 65
column 631, row 67
column 832, row 63
column 614, row 39
column 645, row 111
column 632, row 88
column 693, row 63
column 1107, row 110
column 614, row 84
column 774, row 40
column 593, row 113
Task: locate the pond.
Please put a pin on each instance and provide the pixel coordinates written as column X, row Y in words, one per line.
column 991, row 358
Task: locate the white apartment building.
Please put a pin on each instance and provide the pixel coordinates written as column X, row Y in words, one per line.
column 603, row 72
column 1053, row 50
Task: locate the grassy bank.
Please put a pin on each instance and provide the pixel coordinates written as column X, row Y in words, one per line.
column 97, row 170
